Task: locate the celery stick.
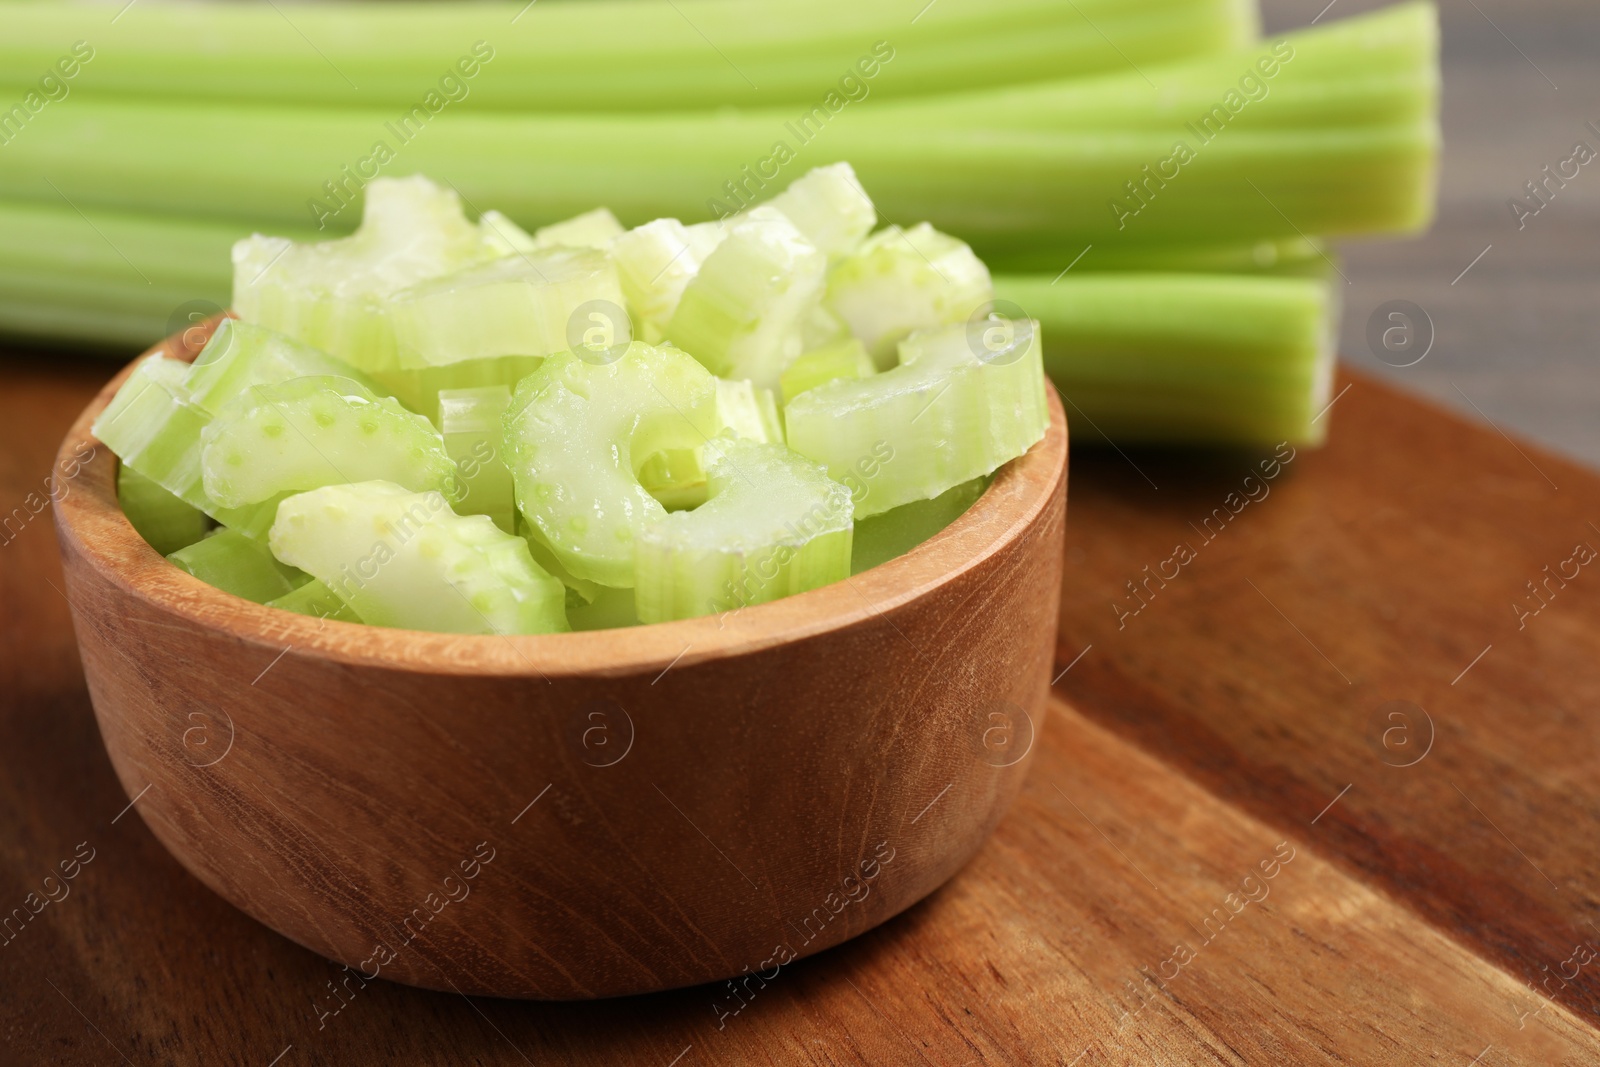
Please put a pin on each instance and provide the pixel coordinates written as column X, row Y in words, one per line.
column 741, row 314
column 775, row 524
column 655, row 262
column 607, row 55
column 314, row 598
column 529, row 304
column 962, row 402
column 239, row 565
column 897, row 531
column 335, row 295
column 829, row 208
column 316, row 431
column 405, row 559
column 1190, row 358
column 164, row 521
column 899, row 281
column 241, row 355
column 575, row 431
column 470, row 422
column 1286, row 257
column 842, row 359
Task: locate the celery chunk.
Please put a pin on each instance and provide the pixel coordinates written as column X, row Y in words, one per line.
column 405, row 559
column 166, row 522
column 900, row 281
column 576, row 433
column 239, row 565
column 774, row 524
column 842, row 359
column 963, row 401
column 315, row 431
column 241, row 355
column 592, row 229
column 470, row 421
column 829, row 207
column 897, row 531
column 314, row 598
column 655, row 262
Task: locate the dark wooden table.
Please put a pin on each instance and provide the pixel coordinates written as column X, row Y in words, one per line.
column 1336, row 691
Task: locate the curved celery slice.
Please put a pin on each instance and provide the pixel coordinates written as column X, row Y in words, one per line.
column 897, row 531
column 829, row 207
column 774, row 524
column 316, row 431
column 742, row 314
column 677, row 477
column 655, row 262
column 575, row 432
column 943, row 417
column 900, row 281
column 470, row 422
column 842, row 359
column 333, row 295
column 315, row 598
column 405, row 559
column 166, row 522
column 241, row 355
column 592, row 229
column 529, row 304
column 154, row 428
column 239, row 565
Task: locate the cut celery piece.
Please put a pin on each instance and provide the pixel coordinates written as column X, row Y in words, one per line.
column 154, row 428
column 829, row 207
column 470, row 421
column 677, row 477
column 314, row 598
column 316, row 431
column 774, row 524
column 166, row 522
column 241, row 355
column 579, row 590
column 655, row 262
column 529, row 304
column 943, row 417
column 575, row 432
column 502, row 237
column 897, row 531
column 900, row 281
column 842, row 359
column 419, row 389
column 239, row 565
column 742, row 314
column 405, row 559
column 334, row 295
column 592, row 229
column 610, row 610
column 749, row 411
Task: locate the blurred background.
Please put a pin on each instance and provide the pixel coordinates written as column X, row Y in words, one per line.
column 1516, row 334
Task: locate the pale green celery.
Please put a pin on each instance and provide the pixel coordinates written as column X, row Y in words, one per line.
column 502, row 237
column 419, row 389
column 239, row 565
column 1185, row 358
column 1285, row 257
column 592, row 229
column 316, row 431
column 899, row 281
column 829, row 208
column 405, row 559
column 1362, row 160
column 655, row 262
column 774, row 524
column 611, row 609
column 162, row 519
column 897, row 531
column 528, row 304
column 241, row 355
column 314, row 598
column 575, row 432
column 501, row 56
column 471, row 422
column 154, row 427
column 741, row 314
column 963, row 401
column 335, row 295
column 580, row 591
column 841, row 359
column 677, row 476
column 749, row 411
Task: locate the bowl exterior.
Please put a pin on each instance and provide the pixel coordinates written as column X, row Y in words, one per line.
column 583, row 815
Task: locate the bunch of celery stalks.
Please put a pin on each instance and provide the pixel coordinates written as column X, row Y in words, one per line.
column 1147, row 178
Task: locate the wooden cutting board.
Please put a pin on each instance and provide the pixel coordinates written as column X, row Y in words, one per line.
column 1316, row 790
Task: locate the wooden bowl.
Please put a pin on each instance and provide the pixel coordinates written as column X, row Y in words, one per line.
column 576, row 815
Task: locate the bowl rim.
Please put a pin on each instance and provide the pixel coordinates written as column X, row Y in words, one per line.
column 88, row 516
